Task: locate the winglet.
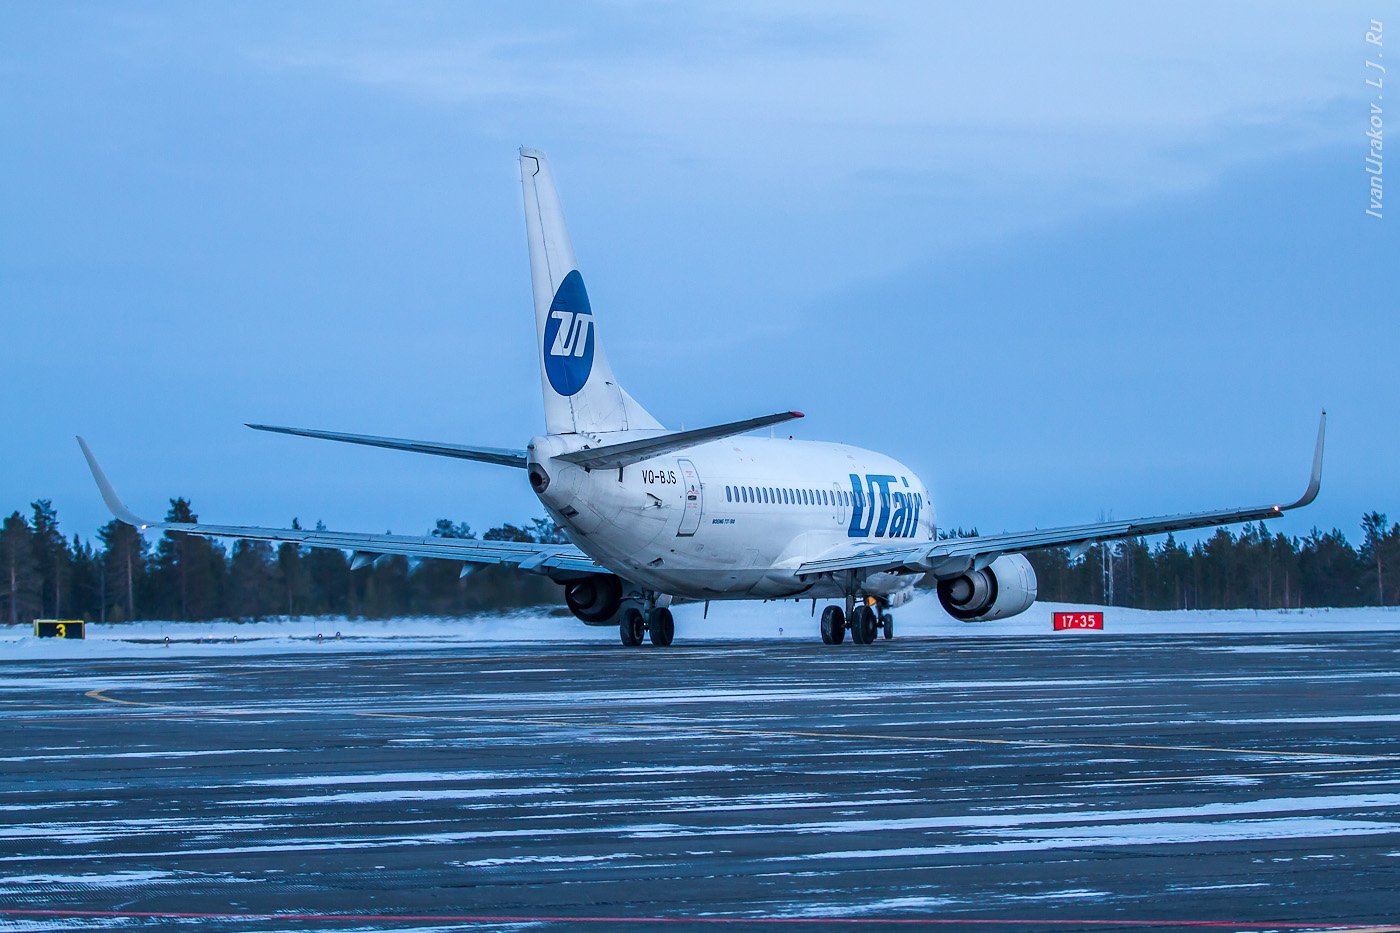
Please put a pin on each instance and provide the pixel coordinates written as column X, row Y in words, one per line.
column 1315, row 480
column 109, row 495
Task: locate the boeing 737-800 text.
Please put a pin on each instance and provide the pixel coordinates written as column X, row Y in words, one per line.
column 707, row 514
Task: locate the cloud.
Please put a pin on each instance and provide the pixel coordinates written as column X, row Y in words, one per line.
column 1052, row 110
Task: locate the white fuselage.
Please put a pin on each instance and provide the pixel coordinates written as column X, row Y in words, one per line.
column 733, row 519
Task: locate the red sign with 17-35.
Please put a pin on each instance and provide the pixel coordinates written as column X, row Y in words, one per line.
column 1069, row 621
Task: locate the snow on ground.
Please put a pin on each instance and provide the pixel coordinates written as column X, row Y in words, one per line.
column 727, row 621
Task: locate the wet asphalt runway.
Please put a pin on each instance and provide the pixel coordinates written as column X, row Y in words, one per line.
column 1072, row 782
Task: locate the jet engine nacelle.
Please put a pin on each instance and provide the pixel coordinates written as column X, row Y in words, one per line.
column 1005, row 588
column 595, row 599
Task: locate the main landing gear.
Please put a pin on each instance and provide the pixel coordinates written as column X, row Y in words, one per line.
column 833, row 625
column 866, row 622
column 633, row 625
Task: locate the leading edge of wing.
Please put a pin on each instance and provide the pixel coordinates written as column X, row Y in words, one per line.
column 501, row 456
column 539, row 558
column 954, row 555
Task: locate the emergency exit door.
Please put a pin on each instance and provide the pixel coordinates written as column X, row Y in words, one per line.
column 694, row 499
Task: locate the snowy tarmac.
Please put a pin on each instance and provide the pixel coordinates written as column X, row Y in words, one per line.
column 1241, row 771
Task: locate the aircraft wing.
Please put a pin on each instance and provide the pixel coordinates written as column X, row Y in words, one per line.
column 956, row 556
column 551, row 559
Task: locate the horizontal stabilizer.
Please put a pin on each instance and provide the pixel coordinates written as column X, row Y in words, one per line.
column 498, row 455
column 614, row 456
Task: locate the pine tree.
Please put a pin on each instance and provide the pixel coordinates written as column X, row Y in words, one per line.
column 1329, row 571
column 446, row 529
column 52, row 556
column 1380, row 550
column 190, row 570
column 509, row 532
column 19, row 575
column 328, row 575
column 124, row 569
column 545, row 531
column 85, row 581
column 253, row 589
column 292, row 576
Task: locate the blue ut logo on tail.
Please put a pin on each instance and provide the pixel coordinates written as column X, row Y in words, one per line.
column 877, row 511
column 568, row 337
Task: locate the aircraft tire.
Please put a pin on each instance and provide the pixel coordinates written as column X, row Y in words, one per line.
column 631, row 626
column 863, row 625
column 887, row 623
column 833, row 625
column 661, row 627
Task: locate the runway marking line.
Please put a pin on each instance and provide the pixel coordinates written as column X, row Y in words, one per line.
column 713, row 921
column 100, row 694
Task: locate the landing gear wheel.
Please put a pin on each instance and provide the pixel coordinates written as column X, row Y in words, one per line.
column 661, row 626
column 887, row 623
column 863, row 625
column 631, row 626
column 833, row 625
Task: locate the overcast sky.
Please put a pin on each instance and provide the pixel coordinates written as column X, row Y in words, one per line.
column 1063, row 260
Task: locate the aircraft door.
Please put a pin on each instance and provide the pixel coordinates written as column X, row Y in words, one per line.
column 838, row 510
column 694, row 494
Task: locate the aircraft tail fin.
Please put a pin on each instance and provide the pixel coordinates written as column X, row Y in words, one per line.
column 580, row 391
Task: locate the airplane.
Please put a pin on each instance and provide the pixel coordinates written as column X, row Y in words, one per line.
column 712, row 513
